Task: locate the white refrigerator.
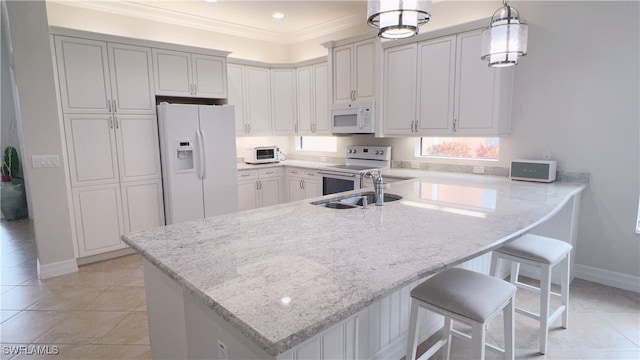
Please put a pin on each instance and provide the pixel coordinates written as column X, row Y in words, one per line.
column 198, row 151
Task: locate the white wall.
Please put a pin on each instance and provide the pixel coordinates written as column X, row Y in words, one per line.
column 37, row 112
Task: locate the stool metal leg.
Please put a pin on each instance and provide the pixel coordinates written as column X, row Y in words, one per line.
column 564, row 290
column 447, row 336
column 509, row 331
column 545, row 294
column 477, row 340
column 413, row 331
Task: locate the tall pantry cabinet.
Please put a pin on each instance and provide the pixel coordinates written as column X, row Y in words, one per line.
column 108, row 105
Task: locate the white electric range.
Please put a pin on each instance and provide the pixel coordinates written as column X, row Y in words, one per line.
column 350, row 176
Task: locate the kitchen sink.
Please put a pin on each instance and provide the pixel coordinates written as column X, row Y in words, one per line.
column 354, row 201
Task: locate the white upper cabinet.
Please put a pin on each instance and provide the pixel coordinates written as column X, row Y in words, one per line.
column 250, row 93
column 354, row 71
column 209, row 76
column 483, row 94
column 436, row 72
column 399, row 90
column 313, row 99
column 100, row 77
column 456, row 93
column 235, row 76
column 137, row 146
column 180, row 73
column 283, row 101
column 321, row 102
column 83, row 74
column 305, row 99
column 131, row 79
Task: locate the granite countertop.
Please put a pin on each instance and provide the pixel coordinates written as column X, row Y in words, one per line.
column 333, row 263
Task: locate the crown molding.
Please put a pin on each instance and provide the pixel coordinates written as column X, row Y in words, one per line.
column 149, row 12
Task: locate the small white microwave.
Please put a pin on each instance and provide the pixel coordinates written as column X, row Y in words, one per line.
column 353, row 118
column 261, row 154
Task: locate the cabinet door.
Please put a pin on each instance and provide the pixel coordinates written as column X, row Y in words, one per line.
column 142, row 205
column 247, row 197
column 283, row 100
column 131, row 79
column 91, row 147
column 209, row 76
column 172, row 72
column 474, row 87
column 400, row 90
column 83, row 74
column 342, row 66
column 138, row 149
column 436, row 69
column 294, row 189
column 269, row 192
column 98, row 218
column 258, row 90
column 311, row 188
column 321, row 99
column 235, row 74
column 305, row 99
column 364, row 69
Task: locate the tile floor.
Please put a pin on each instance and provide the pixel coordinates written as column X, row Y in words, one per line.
column 100, row 313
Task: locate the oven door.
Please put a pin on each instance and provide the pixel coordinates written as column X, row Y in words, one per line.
column 335, row 182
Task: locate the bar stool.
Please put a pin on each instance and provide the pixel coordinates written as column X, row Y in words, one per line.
column 544, row 253
column 468, row 297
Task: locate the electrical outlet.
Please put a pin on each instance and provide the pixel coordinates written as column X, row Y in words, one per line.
column 478, row 169
column 323, row 158
column 44, row 161
column 223, row 352
column 415, row 164
column 406, row 164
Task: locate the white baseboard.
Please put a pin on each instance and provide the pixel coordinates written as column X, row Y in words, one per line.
column 606, row 277
column 56, row 269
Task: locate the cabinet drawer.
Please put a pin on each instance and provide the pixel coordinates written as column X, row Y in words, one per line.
column 270, row 172
column 247, row 174
column 303, row 173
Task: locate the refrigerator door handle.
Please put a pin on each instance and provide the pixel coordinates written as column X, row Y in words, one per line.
column 203, row 147
column 200, row 154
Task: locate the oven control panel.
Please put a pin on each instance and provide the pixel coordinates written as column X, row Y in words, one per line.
column 382, row 153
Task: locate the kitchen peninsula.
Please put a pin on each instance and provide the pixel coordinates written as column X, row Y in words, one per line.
column 298, row 280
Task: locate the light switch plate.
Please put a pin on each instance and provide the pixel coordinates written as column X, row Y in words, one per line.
column 45, row 161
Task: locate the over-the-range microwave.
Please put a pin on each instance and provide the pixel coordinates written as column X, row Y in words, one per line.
column 353, row 118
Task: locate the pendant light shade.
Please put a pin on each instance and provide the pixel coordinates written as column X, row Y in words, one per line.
column 397, row 19
column 505, row 40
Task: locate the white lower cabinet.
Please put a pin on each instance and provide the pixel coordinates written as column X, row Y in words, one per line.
column 303, row 184
column 104, row 212
column 142, row 205
column 98, row 216
column 259, row 188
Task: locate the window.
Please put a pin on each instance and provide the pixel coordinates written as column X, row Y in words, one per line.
column 317, row 143
column 484, row 148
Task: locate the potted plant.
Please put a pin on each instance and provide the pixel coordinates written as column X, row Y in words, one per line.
column 10, row 163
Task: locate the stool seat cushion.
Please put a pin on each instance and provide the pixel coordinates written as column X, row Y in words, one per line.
column 537, row 248
column 464, row 292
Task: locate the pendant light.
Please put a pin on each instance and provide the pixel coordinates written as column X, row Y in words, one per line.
column 505, row 40
column 397, row 19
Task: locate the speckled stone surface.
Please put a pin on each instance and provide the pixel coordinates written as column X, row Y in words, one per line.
column 292, row 163
column 332, row 263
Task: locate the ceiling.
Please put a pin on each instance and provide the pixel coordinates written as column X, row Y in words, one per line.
column 303, row 19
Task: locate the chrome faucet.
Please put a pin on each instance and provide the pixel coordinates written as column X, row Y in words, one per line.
column 378, row 185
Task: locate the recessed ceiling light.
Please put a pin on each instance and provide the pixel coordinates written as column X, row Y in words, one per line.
column 211, row 0
column 277, row 15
